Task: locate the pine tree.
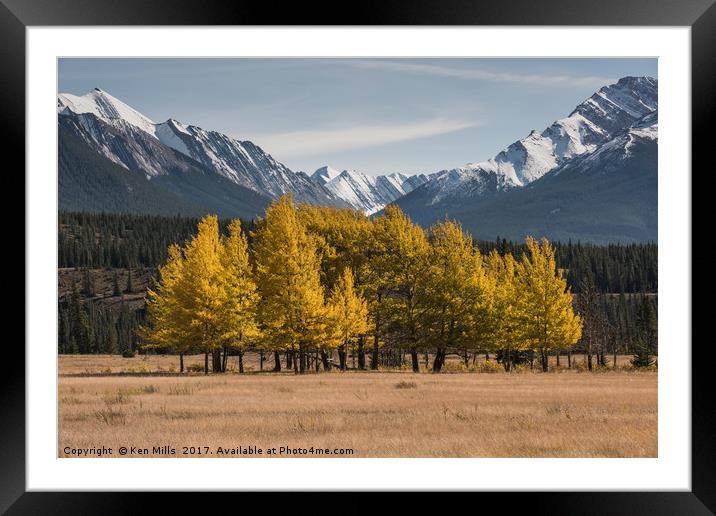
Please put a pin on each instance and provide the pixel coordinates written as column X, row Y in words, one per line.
column 130, row 286
column 116, row 291
column 547, row 319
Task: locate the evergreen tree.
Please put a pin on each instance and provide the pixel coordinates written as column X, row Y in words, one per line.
column 130, row 286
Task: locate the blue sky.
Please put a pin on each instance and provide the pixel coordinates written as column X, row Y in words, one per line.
column 374, row 115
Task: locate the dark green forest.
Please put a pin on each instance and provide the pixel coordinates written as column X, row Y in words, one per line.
column 107, row 261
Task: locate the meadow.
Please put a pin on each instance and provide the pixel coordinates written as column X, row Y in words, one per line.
column 142, row 402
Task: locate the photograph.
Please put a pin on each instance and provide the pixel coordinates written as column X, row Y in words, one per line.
column 357, row 257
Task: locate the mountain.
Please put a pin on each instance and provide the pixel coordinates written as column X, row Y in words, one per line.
column 366, row 193
column 508, row 194
column 89, row 181
column 605, row 196
column 130, row 139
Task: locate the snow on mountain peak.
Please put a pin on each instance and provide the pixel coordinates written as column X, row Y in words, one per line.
column 364, row 192
column 324, row 174
column 103, row 106
column 595, row 121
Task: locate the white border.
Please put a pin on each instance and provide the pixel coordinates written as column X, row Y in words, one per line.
column 672, row 468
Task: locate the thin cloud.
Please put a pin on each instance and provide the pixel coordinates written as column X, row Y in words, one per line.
column 306, row 143
column 480, row 74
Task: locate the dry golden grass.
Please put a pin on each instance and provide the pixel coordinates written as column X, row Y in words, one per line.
column 377, row 414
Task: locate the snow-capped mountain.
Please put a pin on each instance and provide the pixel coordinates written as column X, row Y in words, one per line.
column 129, row 138
column 608, row 194
column 595, row 121
column 604, row 196
column 366, row 193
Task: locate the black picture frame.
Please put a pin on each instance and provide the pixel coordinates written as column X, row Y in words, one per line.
column 17, row 15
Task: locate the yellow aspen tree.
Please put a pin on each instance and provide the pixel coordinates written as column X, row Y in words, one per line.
column 349, row 312
column 455, row 291
column 547, row 318
column 240, row 296
column 399, row 266
column 203, row 291
column 501, row 327
column 291, row 310
column 167, row 321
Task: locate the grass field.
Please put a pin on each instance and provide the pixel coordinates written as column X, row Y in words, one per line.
column 374, row 414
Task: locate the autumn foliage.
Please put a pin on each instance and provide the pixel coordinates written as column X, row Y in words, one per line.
column 319, row 282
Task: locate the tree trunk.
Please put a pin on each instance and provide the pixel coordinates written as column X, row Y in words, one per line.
column 558, row 355
column 301, row 361
column 569, row 359
column 414, row 358
column 241, row 361
column 342, row 356
column 545, row 360
column 439, row 360
column 226, row 357
column 181, row 362
column 261, row 360
column 589, row 361
column 289, row 360
column 324, row 359
column 374, row 354
column 276, row 361
column 206, row 363
column 294, row 359
column 614, row 365
column 216, row 361
column 361, row 354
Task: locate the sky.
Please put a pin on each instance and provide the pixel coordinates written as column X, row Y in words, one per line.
column 374, row 115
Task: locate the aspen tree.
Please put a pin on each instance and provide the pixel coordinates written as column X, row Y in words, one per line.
column 291, row 310
column 239, row 293
column 202, row 289
column 400, row 265
column 547, row 318
column 501, row 326
column 455, row 290
column 167, row 316
column 349, row 311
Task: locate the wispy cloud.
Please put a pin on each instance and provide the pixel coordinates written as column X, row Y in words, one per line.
column 479, row 74
column 306, row 143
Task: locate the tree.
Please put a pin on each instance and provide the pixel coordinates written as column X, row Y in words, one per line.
column 349, row 312
column 400, row 264
column 168, row 310
column 500, row 328
column 544, row 302
column 645, row 343
column 291, row 311
column 239, row 295
column 202, row 291
column 455, row 291
column 116, row 291
column 130, row 286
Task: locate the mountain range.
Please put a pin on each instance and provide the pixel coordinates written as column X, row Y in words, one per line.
column 590, row 176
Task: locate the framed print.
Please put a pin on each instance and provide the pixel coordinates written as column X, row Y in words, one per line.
column 429, row 248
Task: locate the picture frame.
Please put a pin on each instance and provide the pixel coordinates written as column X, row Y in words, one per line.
column 699, row 15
